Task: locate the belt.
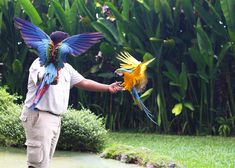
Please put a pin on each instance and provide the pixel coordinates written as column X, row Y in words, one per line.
column 58, row 115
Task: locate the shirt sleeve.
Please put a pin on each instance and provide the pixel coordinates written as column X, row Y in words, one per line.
column 75, row 76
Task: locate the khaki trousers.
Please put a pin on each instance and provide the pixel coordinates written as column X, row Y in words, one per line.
column 42, row 131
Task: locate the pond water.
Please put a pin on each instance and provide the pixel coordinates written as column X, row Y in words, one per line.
column 16, row 158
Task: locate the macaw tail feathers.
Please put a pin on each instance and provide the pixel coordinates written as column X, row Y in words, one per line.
column 147, row 112
column 141, row 105
column 42, row 88
column 48, row 78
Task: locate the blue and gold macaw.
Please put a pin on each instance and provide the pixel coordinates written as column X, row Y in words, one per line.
column 52, row 50
column 135, row 78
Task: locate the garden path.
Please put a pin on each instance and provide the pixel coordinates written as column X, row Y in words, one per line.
column 12, row 158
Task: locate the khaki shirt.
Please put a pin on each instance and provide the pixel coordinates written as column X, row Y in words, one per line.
column 56, row 98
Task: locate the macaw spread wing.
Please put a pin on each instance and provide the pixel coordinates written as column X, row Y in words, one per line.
column 129, row 62
column 35, row 38
column 78, row 44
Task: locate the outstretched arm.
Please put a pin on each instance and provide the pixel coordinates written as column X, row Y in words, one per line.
column 91, row 85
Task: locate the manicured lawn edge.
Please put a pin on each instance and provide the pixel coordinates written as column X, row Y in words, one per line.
column 141, row 156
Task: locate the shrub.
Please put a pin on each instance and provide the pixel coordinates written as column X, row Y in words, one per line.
column 11, row 130
column 82, row 130
column 6, row 100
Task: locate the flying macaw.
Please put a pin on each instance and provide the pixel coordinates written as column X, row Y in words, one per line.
column 135, row 78
column 52, row 50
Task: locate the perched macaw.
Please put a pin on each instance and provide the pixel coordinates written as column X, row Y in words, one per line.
column 135, row 78
column 52, row 50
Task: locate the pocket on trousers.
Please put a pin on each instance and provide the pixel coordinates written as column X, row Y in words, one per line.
column 34, row 151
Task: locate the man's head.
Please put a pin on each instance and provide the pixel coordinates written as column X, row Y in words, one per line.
column 58, row 36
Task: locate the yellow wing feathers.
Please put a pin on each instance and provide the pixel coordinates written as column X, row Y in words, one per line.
column 129, row 62
column 138, row 77
column 135, row 79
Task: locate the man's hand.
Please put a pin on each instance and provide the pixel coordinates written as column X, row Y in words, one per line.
column 115, row 87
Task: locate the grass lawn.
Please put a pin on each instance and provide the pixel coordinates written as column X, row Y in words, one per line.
column 190, row 151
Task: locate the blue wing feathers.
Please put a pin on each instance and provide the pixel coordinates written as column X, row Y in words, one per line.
column 37, row 39
column 78, row 44
column 26, row 26
column 34, row 37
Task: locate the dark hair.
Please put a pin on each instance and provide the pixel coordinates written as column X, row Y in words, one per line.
column 58, row 36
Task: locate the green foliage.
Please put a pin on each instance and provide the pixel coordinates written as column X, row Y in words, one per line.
column 81, row 130
column 6, row 100
column 11, row 130
column 194, row 42
column 225, row 125
column 31, row 12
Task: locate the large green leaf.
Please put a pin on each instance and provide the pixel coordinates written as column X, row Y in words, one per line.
column 183, row 77
column 17, row 67
column 162, row 7
column 73, row 20
column 172, row 72
column 205, row 45
column 211, row 17
column 31, row 12
column 115, row 11
column 159, row 103
column 189, row 105
column 147, row 56
column 204, row 42
column 228, row 7
column 0, row 21
column 126, row 7
column 66, row 6
column 188, row 8
column 106, row 32
column 107, row 49
column 84, row 9
column 177, row 96
column 110, row 27
column 197, row 58
column 223, row 52
column 135, row 41
column 144, row 4
column 61, row 15
column 146, row 94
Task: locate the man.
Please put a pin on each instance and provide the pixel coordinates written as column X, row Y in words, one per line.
column 49, row 83
column 42, row 124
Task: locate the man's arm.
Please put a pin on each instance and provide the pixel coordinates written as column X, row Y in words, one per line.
column 91, row 85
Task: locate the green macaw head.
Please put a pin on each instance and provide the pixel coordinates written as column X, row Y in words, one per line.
column 120, row 71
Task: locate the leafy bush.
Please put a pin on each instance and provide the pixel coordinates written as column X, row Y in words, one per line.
column 11, row 130
column 82, row 130
column 6, row 100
